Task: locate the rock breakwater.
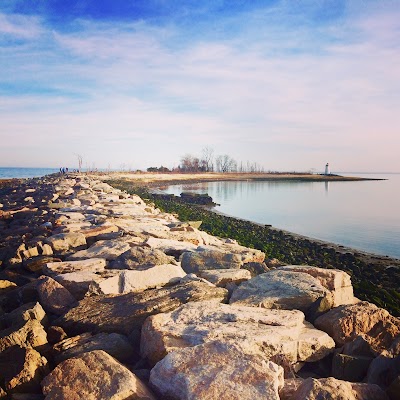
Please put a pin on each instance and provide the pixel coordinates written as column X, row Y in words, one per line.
column 104, row 296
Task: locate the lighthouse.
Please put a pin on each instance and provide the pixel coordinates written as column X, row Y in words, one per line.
column 327, row 169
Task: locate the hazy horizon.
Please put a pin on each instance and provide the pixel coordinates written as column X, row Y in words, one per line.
column 288, row 85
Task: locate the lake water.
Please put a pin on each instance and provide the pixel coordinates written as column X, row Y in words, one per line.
column 364, row 215
column 7, row 173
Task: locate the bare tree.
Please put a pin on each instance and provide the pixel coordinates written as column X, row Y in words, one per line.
column 207, row 159
column 80, row 161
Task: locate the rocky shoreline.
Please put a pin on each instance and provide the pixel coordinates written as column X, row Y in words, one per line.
column 103, row 296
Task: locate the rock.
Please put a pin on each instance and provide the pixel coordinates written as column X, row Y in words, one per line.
column 55, row 334
column 6, row 286
column 37, row 263
column 26, row 312
column 108, row 249
column 336, row 281
column 174, row 248
column 350, row 368
column 346, row 322
column 78, row 283
column 53, row 296
column 360, row 346
column 274, row 332
column 383, row 370
column 93, row 376
column 222, row 277
column 139, row 257
column 136, row 281
column 22, row 369
column 216, row 371
column 255, row 268
column 19, row 296
column 114, row 344
column 125, row 313
column 27, row 334
column 280, row 289
column 289, row 388
column 208, row 257
column 393, row 391
column 94, row 231
column 334, row 389
column 89, row 265
column 64, row 241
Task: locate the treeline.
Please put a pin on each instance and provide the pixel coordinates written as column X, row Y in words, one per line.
column 208, row 162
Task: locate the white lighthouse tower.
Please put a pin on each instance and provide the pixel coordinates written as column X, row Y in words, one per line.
column 327, row 172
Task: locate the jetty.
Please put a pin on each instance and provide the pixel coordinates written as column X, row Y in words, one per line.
column 105, row 296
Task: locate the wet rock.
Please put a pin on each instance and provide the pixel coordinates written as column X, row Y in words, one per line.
column 114, row 344
column 136, row 281
column 280, row 289
column 280, row 333
column 334, row 389
column 125, row 313
column 53, row 296
column 93, row 375
column 216, row 371
column 345, row 323
column 22, row 369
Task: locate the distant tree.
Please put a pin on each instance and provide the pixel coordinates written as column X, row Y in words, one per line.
column 207, row 159
column 225, row 163
column 80, row 161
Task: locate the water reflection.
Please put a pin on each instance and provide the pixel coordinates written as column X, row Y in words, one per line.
column 348, row 213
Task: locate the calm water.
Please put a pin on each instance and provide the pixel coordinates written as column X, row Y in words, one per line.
column 6, row 173
column 363, row 215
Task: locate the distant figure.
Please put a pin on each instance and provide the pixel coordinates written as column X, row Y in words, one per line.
column 327, row 172
column 66, row 170
column 60, row 170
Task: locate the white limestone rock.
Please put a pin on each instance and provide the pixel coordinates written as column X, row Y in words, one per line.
column 107, row 249
column 221, row 277
column 216, row 370
column 276, row 333
column 65, row 267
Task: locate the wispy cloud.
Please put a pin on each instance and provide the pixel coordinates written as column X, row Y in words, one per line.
column 264, row 85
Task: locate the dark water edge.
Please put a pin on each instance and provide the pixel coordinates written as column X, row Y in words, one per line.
column 375, row 278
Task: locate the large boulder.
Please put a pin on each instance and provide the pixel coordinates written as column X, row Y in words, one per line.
column 346, row 322
column 276, row 333
column 216, row 370
column 127, row 312
column 93, row 376
column 139, row 257
column 336, row 281
column 20, row 315
column 22, row 369
column 136, row 281
column 334, row 389
column 282, row 290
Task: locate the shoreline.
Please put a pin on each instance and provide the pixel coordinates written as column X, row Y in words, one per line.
column 374, row 276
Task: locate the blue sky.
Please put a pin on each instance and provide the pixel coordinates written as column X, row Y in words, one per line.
column 290, row 85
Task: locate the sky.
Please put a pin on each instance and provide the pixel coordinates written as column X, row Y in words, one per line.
column 288, row 84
